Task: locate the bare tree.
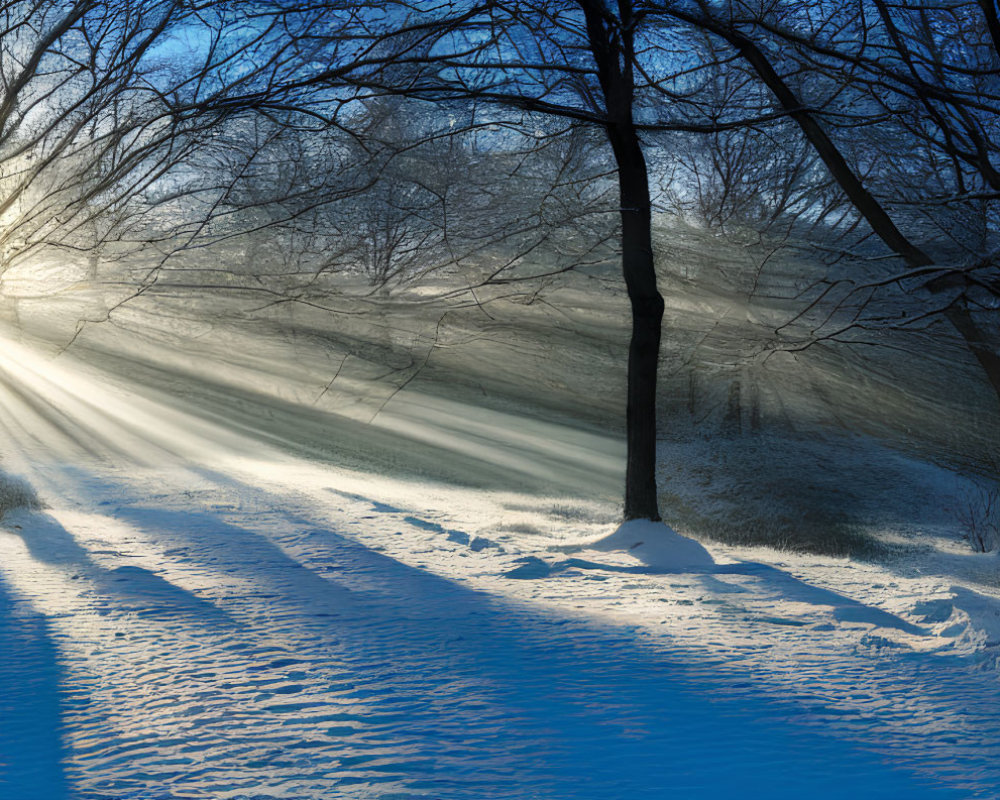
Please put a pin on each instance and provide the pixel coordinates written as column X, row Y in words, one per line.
column 583, row 61
column 900, row 105
column 81, row 134
column 791, row 99
column 403, row 191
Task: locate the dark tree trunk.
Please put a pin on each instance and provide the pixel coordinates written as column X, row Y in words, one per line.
column 961, row 318
column 611, row 44
column 647, row 315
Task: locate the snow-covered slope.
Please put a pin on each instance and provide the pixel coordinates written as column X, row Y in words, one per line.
column 207, row 612
column 369, row 547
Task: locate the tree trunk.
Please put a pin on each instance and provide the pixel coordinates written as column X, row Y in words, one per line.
column 961, row 318
column 647, row 316
column 612, row 46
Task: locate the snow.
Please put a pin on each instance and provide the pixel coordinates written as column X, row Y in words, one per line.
column 657, row 545
column 220, row 640
column 231, row 592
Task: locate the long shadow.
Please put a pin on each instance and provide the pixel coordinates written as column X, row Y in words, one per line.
column 665, row 552
column 211, row 543
column 136, row 588
column 846, row 609
column 31, row 706
column 474, row 697
column 423, row 684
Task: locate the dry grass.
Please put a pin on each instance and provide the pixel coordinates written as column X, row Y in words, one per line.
column 16, row 494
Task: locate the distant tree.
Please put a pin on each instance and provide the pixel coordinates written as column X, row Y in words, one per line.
column 402, row 191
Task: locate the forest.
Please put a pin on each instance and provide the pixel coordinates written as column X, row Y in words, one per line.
column 467, row 400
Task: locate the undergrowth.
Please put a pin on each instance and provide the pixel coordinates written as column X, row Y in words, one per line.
column 817, row 535
column 16, row 494
column 978, row 514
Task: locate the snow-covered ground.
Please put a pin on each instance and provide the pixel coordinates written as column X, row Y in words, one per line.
column 202, row 609
column 366, row 547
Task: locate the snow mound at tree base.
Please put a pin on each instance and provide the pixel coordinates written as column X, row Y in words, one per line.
column 657, row 545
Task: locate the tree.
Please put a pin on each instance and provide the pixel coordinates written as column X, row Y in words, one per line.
column 81, row 134
column 630, row 69
column 584, row 61
column 407, row 192
column 907, row 79
column 915, row 84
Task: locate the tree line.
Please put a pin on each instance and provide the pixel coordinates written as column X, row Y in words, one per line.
column 398, row 139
